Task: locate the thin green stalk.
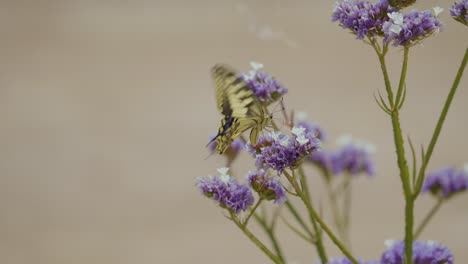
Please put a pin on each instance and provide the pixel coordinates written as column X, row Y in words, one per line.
column 256, row 241
column 404, row 69
column 400, row 150
column 347, row 212
column 252, row 211
column 428, row 217
column 319, row 220
column 269, row 230
column 318, row 233
column 298, row 218
column 334, row 208
column 298, row 232
column 440, row 123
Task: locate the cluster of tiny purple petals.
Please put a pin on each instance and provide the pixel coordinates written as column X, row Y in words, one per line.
column 324, row 159
column 459, row 11
column 345, row 260
column 408, row 29
column 428, row 252
column 268, row 187
column 362, row 17
column 446, row 182
column 266, row 88
column 279, row 151
column 226, row 191
column 353, row 158
column 312, row 130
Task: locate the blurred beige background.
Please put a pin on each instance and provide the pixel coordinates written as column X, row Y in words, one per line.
column 106, row 107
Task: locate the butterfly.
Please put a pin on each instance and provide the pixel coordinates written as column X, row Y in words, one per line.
column 240, row 108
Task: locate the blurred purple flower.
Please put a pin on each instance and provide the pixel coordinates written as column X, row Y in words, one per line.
column 446, row 182
column 427, row 252
column 345, row 260
column 352, row 157
column 459, row 11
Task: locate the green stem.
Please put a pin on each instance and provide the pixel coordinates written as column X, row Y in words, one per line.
column 252, row 211
column 334, row 208
column 428, row 217
column 298, row 218
column 319, row 220
column 271, row 235
column 255, row 240
column 440, row 123
column 400, row 150
column 347, row 211
column 404, row 69
column 318, row 233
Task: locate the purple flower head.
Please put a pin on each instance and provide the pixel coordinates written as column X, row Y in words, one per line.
column 345, row 260
column 226, row 191
column 362, row 17
column 354, row 157
column 268, row 187
column 233, row 150
column 279, row 151
column 266, row 88
column 446, row 182
column 311, row 129
column 459, row 11
column 424, row 252
column 323, row 158
column 409, row 29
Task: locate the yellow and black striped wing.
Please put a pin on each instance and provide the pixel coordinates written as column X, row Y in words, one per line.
column 240, row 108
column 233, row 95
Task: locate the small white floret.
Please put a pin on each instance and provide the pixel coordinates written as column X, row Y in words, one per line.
column 395, row 29
column 396, row 17
column 302, row 140
column 256, row 66
column 298, row 131
column 223, row 171
column 389, row 243
column 437, row 10
column 250, row 75
column 225, row 178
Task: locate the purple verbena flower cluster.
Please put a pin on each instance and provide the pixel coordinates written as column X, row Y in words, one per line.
column 409, row 29
column 362, row 17
column 345, row 260
column 268, row 187
column 428, row 252
column 352, row 157
column 446, row 182
column 459, row 11
column 226, row 191
column 266, row 88
column 279, row 151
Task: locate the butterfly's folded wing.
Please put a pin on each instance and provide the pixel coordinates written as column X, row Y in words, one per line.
column 237, row 102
